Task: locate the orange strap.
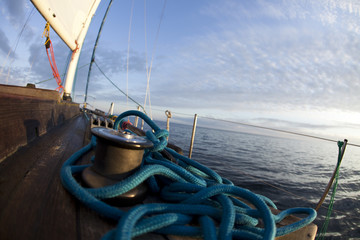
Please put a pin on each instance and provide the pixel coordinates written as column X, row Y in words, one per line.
column 51, row 57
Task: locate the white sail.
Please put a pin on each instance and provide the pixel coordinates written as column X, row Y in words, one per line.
column 69, row 19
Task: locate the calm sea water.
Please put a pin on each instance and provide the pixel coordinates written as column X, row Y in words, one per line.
column 291, row 172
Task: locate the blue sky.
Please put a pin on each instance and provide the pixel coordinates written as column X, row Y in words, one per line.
column 293, row 65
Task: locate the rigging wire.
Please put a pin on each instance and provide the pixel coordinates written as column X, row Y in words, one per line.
column 62, row 75
column 94, row 50
column 148, row 69
column 119, row 88
column 16, row 45
column 34, row 57
column 128, row 51
column 146, row 59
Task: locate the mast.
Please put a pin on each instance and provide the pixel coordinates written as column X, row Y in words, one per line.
column 70, row 20
column 75, row 57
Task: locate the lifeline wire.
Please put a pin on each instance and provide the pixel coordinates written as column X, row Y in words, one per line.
column 193, row 192
column 272, row 129
column 288, row 132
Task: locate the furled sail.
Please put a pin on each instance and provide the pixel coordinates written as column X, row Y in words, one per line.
column 69, row 19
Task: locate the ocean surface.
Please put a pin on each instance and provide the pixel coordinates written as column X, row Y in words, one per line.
column 292, row 172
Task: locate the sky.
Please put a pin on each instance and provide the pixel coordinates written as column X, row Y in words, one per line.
column 292, row 65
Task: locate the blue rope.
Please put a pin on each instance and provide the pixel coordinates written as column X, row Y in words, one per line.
column 208, row 227
column 200, row 203
column 86, row 116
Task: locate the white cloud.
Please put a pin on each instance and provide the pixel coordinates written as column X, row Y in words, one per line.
column 14, row 10
column 293, row 62
column 4, row 43
column 256, row 57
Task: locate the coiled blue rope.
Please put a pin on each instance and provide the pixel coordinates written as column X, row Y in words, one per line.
column 202, row 203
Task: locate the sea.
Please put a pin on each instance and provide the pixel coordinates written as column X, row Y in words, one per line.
column 292, row 172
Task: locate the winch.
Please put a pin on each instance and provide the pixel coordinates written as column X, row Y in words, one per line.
column 118, row 154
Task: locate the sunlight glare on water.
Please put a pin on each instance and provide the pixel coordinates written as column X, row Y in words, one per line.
column 291, row 172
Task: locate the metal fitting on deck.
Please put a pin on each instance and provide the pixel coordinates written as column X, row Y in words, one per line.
column 117, row 156
column 96, row 121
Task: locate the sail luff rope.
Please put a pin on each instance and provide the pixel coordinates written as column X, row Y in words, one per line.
column 128, row 53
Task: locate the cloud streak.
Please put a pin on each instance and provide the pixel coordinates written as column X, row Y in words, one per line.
column 4, row 43
column 293, row 63
column 242, row 58
column 14, row 10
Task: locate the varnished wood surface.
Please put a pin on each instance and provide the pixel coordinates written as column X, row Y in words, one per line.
column 30, row 92
column 27, row 113
column 34, row 204
column 306, row 233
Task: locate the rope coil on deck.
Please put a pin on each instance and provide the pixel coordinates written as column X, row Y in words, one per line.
column 200, row 203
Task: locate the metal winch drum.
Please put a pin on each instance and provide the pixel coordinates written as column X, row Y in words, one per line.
column 117, row 156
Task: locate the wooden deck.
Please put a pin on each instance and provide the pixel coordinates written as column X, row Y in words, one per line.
column 27, row 113
column 34, row 204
